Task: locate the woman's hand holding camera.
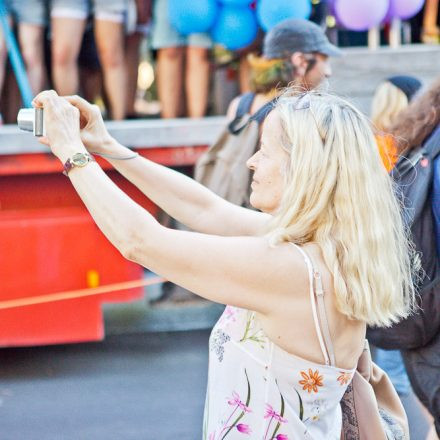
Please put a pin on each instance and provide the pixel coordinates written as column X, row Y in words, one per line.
column 62, row 125
column 72, row 120
column 93, row 132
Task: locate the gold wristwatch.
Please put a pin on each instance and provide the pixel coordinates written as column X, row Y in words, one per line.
column 77, row 160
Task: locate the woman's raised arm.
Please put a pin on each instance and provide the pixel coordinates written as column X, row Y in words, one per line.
column 178, row 195
column 230, row 270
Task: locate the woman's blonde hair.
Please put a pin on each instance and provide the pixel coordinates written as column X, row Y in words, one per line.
column 339, row 195
column 388, row 102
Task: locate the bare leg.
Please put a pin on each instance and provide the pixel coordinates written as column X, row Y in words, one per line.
column 32, row 47
column 109, row 37
column 169, row 80
column 132, row 64
column 197, row 81
column 430, row 30
column 67, row 35
column 244, row 72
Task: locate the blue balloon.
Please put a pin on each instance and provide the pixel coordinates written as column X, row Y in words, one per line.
column 271, row 12
column 192, row 16
column 236, row 27
column 236, row 2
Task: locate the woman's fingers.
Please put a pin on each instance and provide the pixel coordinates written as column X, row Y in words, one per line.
column 44, row 140
column 84, row 107
column 46, row 96
column 78, row 102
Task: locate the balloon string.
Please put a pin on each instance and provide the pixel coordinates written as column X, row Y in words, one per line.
column 80, row 293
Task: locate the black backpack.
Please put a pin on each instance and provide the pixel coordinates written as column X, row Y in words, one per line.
column 414, row 176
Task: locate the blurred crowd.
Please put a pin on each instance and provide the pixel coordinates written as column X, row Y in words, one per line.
column 92, row 48
column 80, row 46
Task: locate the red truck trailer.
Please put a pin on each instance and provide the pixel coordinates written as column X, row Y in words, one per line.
column 50, row 245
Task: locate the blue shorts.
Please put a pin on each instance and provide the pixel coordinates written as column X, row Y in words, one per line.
column 164, row 35
column 28, row 11
column 392, row 363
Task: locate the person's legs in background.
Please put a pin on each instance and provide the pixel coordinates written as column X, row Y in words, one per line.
column 31, row 39
column 112, row 20
column 68, row 21
column 197, row 75
column 109, row 36
column 244, row 75
column 197, row 81
column 170, row 61
column 31, row 19
column 169, row 76
column 431, row 31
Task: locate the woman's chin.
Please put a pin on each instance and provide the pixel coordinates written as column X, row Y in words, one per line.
column 255, row 203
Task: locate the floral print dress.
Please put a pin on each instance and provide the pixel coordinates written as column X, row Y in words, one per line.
column 258, row 390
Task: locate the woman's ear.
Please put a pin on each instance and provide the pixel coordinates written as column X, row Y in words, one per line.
column 299, row 63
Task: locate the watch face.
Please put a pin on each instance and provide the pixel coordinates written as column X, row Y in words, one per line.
column 79, row 159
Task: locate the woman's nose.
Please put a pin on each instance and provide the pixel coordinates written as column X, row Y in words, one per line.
column 250, row 163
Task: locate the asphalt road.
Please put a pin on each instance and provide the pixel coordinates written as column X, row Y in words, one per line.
column 144, row 386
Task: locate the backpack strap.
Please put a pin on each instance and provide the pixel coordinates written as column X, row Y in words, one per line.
column 261, row 114
column 243, row 108
column 321, row 324
column 245, row 104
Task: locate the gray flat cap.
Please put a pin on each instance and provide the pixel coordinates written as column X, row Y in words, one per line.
column 296, row 35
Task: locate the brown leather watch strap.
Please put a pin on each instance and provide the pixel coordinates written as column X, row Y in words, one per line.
column 77, row 160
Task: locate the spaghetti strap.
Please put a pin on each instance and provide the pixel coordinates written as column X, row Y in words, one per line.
column 329, row 360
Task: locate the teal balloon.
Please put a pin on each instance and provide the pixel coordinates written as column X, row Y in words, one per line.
column 271, row 12
column 192, row 16
column 236, row 27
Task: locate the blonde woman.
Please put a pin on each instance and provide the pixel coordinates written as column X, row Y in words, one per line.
column 301, row 279
column 390, row 98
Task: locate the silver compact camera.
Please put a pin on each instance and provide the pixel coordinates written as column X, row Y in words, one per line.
column 31, row 119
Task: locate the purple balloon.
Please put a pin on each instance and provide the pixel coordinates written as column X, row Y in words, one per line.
column 404, row 9
column 360, row 15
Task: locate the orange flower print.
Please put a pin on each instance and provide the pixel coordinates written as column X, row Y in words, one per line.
column 311, row 381
column 344, row 378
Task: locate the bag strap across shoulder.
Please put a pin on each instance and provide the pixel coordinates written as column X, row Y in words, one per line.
column 243, row 108
column 261, row 113
column 245, row 104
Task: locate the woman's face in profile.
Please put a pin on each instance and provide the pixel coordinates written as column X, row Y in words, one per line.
column 268, row 164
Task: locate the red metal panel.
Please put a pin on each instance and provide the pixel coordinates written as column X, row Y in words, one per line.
column 50, row 244
column 41, row 163
column 51, row 251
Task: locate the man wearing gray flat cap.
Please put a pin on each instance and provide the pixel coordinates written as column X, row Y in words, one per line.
column 295, row 52
column 303, row 44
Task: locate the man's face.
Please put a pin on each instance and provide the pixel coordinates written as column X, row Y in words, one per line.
column 311, row 69
column 319, row 71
